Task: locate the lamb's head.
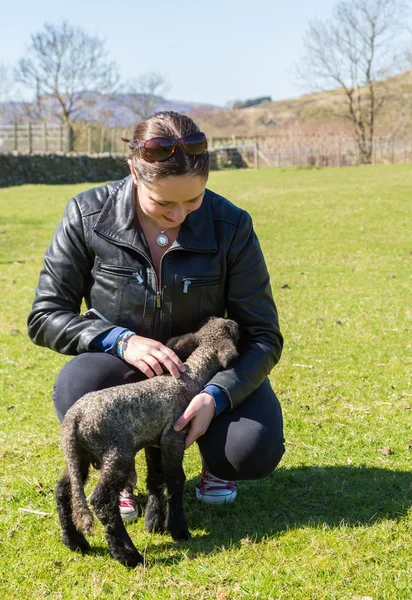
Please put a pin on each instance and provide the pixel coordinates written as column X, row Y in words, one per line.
column 217, row 333
column 222, row 335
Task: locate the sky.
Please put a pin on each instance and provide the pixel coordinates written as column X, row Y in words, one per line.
column 214, row 51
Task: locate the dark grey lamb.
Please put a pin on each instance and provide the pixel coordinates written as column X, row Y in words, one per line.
column 108, row 427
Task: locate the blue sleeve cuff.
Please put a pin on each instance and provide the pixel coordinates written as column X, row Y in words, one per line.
column 107, row 340
column 219, row 398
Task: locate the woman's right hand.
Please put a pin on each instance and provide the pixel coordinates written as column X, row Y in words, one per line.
column 151, row 357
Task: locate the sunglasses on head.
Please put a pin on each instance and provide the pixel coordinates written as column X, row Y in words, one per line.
column 158, row 149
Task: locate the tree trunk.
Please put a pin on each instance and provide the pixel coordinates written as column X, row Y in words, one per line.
column 69, row 133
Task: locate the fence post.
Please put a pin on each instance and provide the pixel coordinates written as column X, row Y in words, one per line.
column 29, row 137
column 61, row 140
column 339, row 154
column 45, row 137
column 256, row 155
column 113, row 141
column 16, row 139
column 89, row 140
column 101, row 140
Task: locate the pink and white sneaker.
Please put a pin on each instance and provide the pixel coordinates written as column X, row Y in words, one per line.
column 212, row 490
column 128, row 507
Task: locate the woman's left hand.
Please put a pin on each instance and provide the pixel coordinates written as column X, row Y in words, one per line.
column 200, row 412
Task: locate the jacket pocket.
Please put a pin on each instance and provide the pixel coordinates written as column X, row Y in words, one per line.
column 122, row 272
column 194, row 282
column 202, row 296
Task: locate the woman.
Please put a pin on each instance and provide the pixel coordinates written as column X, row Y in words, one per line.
column 155, row 254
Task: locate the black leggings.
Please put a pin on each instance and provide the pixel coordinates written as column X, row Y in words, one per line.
column 246, row 443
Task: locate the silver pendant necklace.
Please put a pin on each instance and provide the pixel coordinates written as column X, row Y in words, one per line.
column 162, row 239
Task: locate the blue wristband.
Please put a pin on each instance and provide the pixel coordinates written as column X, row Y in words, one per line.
column 106, row 341
column 121, row 343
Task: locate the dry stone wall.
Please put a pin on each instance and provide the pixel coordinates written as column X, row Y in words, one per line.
column 17, row 169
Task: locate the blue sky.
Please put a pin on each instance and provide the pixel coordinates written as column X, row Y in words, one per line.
column 214, row 51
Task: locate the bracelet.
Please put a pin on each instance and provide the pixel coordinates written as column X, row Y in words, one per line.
column 121, row 343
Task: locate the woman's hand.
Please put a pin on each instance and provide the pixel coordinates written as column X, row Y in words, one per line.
column 200, row 412
column 152, row 357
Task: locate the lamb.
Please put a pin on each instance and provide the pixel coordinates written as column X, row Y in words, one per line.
column 107, row 428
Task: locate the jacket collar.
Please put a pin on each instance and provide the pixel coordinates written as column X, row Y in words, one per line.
column 118, row 221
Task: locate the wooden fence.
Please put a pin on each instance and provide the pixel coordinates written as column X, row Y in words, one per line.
column 328, row 152
column 33, row 138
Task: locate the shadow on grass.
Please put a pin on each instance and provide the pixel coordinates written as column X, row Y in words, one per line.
column 289, row 499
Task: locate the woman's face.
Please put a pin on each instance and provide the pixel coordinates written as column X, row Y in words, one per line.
column 169, row 200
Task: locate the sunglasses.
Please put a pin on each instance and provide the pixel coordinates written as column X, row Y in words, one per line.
column 159, row 149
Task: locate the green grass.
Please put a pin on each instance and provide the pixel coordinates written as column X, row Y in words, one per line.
column 334, row 521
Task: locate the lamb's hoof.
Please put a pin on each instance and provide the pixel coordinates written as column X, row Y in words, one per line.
column 76, row 542
column 154, row 525
column 154, row 519
column 129, row 559
column 181, row 533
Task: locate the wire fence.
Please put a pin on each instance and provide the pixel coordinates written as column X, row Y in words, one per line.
column 336, row 153
column 226, row 152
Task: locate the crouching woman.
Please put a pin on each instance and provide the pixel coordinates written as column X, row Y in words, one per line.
column 155, row 254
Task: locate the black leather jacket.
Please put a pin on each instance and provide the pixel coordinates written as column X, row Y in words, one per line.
column 215, row 267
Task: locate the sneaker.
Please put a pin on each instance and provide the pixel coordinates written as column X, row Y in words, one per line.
column 127, row 504
column 212, row 490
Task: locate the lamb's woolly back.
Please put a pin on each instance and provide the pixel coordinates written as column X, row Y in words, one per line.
column 205, row 352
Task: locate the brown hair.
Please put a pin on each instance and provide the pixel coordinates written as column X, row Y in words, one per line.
column 169, row 124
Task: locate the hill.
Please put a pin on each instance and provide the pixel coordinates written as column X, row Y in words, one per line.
column 317, row 113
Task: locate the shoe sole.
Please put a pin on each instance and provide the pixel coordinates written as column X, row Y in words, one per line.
column 127, row 518
column 228, row 499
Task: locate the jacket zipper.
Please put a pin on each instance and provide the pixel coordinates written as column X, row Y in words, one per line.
column 197, row 282
column 122, row 272
column 159, row 293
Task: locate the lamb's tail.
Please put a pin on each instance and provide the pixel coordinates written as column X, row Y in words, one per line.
column 81, row 514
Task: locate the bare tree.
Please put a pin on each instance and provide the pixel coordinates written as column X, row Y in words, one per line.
column 356, row 50
column 143, row 94
column 68, row 66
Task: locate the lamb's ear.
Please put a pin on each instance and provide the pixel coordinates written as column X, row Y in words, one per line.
column 183, row 345
column 226, row 353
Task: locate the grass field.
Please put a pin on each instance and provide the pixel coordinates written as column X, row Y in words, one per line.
column 334, row 521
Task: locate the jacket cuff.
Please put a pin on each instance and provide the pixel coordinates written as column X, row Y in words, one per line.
column 219, row 398
column 106, row 341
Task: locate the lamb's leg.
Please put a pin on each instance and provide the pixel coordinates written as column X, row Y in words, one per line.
column 154, row 513
column 115, row 471
column 72, row 537
column 173, row 447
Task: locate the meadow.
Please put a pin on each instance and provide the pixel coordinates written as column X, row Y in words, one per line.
column 334, row 520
